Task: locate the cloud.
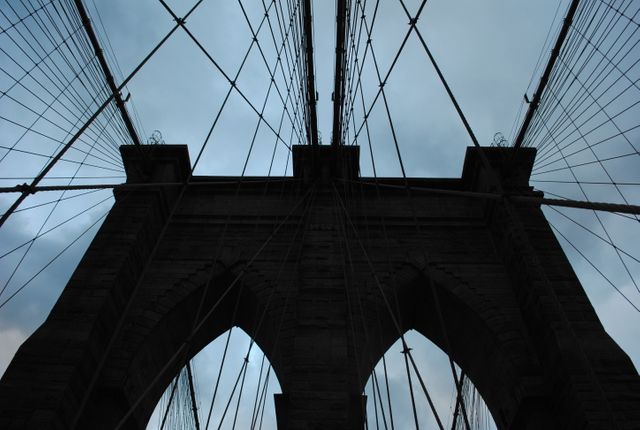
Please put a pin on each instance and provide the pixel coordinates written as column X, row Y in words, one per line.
column 10, row 339
column 487, row 51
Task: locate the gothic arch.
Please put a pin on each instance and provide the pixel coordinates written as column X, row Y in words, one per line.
column 151, row 347
column 488, row 344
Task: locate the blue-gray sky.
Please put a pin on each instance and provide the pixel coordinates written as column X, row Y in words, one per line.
column 488, row 50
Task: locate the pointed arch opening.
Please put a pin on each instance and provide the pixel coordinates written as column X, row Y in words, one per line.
column 230, row 383
column 396, row 397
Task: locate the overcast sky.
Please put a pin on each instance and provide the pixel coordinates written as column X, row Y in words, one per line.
column 488, row 51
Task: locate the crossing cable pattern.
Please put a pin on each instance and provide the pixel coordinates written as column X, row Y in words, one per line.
column 293, row 82
column 52, row 82
column 586, row 128
column 589, row 85
column 293, row 102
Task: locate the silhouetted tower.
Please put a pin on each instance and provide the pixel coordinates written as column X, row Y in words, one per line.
column 325, row 270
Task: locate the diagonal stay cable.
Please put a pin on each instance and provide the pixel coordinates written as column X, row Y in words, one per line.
column 181, row 22
column 385, row 299
column 280, row 271
column 31, row 13
column 594, row 267
column 54, row 259
column 386, row 76
column 42, row 226
column 75, row 137
column 588, row 230
column 186, row 343
column 272, row 73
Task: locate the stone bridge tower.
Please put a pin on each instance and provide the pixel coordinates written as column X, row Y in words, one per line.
column 324, row 271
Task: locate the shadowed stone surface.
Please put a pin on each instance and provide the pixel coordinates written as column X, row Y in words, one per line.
column 325, row 271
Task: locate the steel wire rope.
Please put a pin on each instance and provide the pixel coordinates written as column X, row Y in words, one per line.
column 588, row 230
column 351, row 62
column 170, row 401
column 62, row 92
column 58, row 255
column 617, row 10
column 55, row 227
column 100, row 79
column 561, row 198
column 232, row 83
column 358, row 70
column 221, row 241
column 222, row 362
column 78, row 98
column 595, row 69
column 272, row 84
column 296, row 101
column 286, row 36
column 235, row 385
column 79, row 132
column 201, row 322
column 264, row 59
column 386, row 300
column 606, row 232
column 583, row 182
column 192, row 395
column 244, row 375
column 584, row 98
column 376, row 390
column 54, row 97
column 546, row 154
column 543, row 49
column 597, row 97
column 40, row 59
column 53, row 201
column 349, row 260
column 277, row 279
column 412, row 22
column 261, row 393
column 570, row 47
column 348, row 286
column 590, row 147
column 384, row 229
column 114, row 59
column 391, row 68
column 586, row 163
column 559, row 77
column 297, row 39
column 66, row 160
column 594, row 267
column 115, row 168
column 198, row 312
column 596, row 128
column 29, row 15
column 30, row 128
column 578, row 100
column 254, row 410
column 264, row 398
column 125, row 127
column 42, row 226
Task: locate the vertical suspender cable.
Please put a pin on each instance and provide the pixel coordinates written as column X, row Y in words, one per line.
column 312, row 126
column 338, row 96
column 555, row 53
column 86, row 22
